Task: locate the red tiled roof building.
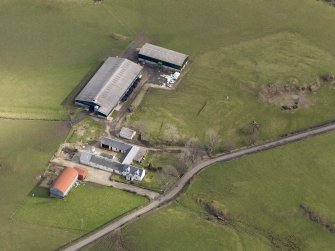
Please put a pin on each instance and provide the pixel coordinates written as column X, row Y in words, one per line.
column 64, row 182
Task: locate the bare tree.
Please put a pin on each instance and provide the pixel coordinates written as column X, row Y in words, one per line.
column 255, row 127
column 193, row 149
column 230, row 145
column 181, row 166
column 171, row 134
column 213, row 138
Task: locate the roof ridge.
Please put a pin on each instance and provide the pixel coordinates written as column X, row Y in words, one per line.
column 120, row 62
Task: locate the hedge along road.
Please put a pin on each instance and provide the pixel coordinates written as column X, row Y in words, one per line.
column 89, row 238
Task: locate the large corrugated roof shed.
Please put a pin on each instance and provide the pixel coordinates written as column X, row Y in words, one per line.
column 110, row 83
column 163, row 54
column 65, row 179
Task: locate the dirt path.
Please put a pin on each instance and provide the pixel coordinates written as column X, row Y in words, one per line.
column 107, row 129
column 164, row 199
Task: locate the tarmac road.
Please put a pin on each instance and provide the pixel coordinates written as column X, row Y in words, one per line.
column 89, row 238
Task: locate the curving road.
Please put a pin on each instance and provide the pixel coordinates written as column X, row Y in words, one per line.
column 89, row 238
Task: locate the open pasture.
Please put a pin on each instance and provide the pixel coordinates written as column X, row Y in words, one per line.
column 257, row 202
column 236, row 48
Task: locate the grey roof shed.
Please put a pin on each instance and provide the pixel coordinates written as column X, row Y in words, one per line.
column 115, row 144
column 127, row 133
column 110, row 83
column 150, row 51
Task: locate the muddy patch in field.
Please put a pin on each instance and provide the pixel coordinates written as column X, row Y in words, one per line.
column 289, row 95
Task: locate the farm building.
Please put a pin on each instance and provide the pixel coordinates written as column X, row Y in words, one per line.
column 140, row 155
column 132, row 153
column 100, row 162
column 156, row 55
column 127, row 133
column 107, row 164
column 113, row 82
column 114, row 145
column 64, row 182
column 133, row 173
column 82, row 173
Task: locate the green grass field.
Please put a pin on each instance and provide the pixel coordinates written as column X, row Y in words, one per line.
column 49, row 48
column 87, row 130
column 235, row 48
column 25, row 149
column 85, row 209
column 260, row 195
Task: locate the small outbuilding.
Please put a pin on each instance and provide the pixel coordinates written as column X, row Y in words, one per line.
column 140, row 155
column 127, row 133
column 64, row 182
column 82, row 173
column 114, row 145
column 157, row 55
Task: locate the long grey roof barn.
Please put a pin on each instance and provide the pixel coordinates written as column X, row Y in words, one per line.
column 109, row 85
column 158, row 55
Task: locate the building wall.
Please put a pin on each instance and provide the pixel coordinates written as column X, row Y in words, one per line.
column 54, row 192
column 87, row 105
column 165, row 64
column 125, row 136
